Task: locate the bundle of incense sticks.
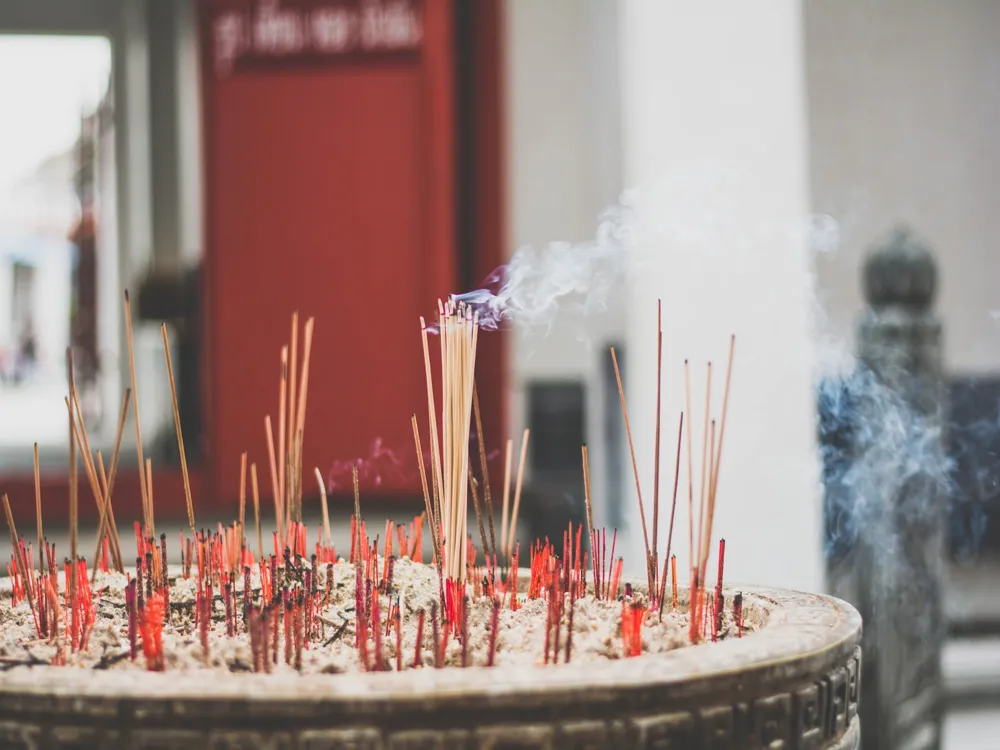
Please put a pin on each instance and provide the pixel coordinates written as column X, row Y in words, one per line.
column 276, row 601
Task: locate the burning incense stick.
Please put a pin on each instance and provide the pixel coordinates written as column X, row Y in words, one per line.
column 458, row 331
column 517, row 491
column 177, row 425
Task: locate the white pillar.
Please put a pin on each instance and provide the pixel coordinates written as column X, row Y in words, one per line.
column 714, row 135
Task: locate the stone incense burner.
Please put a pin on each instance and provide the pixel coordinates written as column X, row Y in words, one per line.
column 792, row 685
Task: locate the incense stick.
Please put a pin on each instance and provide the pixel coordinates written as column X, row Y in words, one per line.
column 506, row 497
column 690, row 463
column 656, row 449
column 177, row 424
column 282, row 402
column 323, row 506
column 73, row 488
column 487, row 493
column 635, row 467
column 479, row 512
column 432, row 519
column 256, row 511
column 135, row 402
column 279, row 515
column 703, row 489
column 106, row 512
column 19, row 560
column 673, row 510
column 38, row 514
column 586, row 494
column 293, row 357
column 517, row 491
column 300, row 421
column 243, row 497
column 713, row 489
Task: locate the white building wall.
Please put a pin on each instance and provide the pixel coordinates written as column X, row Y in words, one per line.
column 904, row 109
column 564, row 169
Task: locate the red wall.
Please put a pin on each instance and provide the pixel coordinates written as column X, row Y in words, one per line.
column 328, row 191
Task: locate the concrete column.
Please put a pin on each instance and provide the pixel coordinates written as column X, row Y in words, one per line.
column 714, row 138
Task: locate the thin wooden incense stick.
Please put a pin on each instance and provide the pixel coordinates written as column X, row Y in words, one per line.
column 279, row 514
column 487, row 493
column 690, row 466
column 635, row 467
column 324, row 507
column 673, row 510
column 107, row 514
column 73, row 488
column 135, row 402
column 282, row 405
column 703, row 489
column 243, row 498
column 509, row 449
column 177, row 425
column 293, row 358
column 713, row 489
column 432, row 518
column 300, row 418
column 436, row 471
column 517, row 491
column 653, row 562
column 19, row 561
column 479, row 511
column 256, row 511
column 38, row 514
column 586, row 494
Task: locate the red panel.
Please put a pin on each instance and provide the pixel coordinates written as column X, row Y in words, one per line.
column 329, row 191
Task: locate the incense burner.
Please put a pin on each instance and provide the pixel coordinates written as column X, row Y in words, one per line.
column 794, row 683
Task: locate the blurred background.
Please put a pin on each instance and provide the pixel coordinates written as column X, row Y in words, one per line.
column 232, row 161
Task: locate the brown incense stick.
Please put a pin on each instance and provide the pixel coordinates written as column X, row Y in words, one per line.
column 713, row 489
column 487, row 493
column 506, row 496
column 436, row 471
column 149, row 496
column 635, row 467
column 293, row 360
column 517, row 491
column 432, row 519
column 135, row 405
column 279, row 515
column 690, row 463
column 38, row 515
column 256, row 510
column 479, row 511
column 282, row 405
column 19, row 560
column 243, row 498
column 324, row 507
column 106, row 512
column 656, row 449
column 300, row 419
column 177, row 424
column 586, row 495
column 73, row 487
column 703, row 489
column 673, row 510
column 357, row 512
